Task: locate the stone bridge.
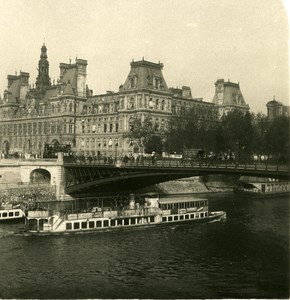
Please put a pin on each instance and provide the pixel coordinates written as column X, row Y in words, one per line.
column 70, row 178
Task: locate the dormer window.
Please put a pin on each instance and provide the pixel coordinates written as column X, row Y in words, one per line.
column 132, row 82
column 157, row 82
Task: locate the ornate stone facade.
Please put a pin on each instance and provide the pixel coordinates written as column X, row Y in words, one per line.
column 67, row 112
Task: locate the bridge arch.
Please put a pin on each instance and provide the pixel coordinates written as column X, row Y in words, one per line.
column 40, row 176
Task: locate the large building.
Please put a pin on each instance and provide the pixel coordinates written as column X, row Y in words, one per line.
column 67, row 112
column 228, row 97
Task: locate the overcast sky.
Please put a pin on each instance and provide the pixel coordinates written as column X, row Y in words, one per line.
column 198, row 41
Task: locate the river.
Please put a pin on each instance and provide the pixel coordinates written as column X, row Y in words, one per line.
column 246, row 256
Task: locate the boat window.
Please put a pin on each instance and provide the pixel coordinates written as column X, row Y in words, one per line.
column 11, row 214
column 181, row 217
column 99, row 223
column 191, row 216
column 0, row 215
column 151, row 219
column 76, row 225
column 126, row 221
column 113, row 222
column 164, row 219
column 133, row 221
column 84, row 225
column 139, row 220
column 170, row 218
column 119, row 221
column 106, row 223
column 68, row 226
column 205, row 214
column 197, row 215
column 4, row 215
column 186, row 217
column 175, row 218
column 201, row 215
column 91, row 224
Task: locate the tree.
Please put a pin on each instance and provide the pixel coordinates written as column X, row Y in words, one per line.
column 140, row 131
column 277, row 138
column 154, row 143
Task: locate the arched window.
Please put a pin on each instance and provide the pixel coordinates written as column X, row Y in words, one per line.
column 131, row 103
column 70, row 107
column 131, row 124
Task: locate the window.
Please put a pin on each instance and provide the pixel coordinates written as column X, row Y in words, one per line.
column 4, row 215
column 191, row 216
column 186, row 217
column 99, row 223
column 175, row 218
column 17, row 213
column 113, row 222
column 84, row 225
column 181, row 217
column 170, row 218
column 105, row 127
column 91, row 224
column 126, row 221
column 106, row 223
column 164, row 219
column 11, row 214
column 133, row 221
column 151, row 219
column 68, row 226
column 77, row 225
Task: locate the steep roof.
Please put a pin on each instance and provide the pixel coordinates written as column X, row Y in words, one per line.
column 145, row 73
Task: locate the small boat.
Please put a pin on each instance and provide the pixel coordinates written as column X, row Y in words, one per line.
column 9, row 212
column 155, row 211
column 259, row 186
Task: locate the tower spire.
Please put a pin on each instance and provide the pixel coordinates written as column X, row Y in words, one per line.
column 43, row 80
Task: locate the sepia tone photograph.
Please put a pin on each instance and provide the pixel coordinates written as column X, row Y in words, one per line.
column 144, row 149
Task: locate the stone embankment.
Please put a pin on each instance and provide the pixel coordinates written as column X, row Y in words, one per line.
column 28, row 193
column 196, row 185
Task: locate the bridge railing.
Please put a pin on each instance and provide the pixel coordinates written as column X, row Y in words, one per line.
column 269, row 165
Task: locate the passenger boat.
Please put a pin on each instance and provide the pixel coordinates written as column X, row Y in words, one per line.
column 260, row 186
column 155, row 211
column 10, row 212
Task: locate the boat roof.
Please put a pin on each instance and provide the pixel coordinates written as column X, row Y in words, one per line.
column 179, row 200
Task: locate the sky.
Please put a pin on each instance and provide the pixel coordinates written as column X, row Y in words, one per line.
column 198, row 41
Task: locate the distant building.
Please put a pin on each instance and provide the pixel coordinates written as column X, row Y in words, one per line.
column 228, row 97
column 67, row 112
column 276, row 109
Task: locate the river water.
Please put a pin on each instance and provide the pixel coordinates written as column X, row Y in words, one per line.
column 246, row 256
